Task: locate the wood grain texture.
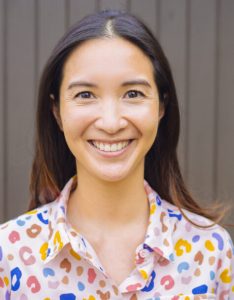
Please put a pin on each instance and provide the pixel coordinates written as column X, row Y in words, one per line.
column 77, row 9
column 173, row 40
column 2, row 108
column 148, row 13
column 113, row 4
column 201, row 105
column 225, row 106
column 51, row 25
column 20, row 79
column 198, row 39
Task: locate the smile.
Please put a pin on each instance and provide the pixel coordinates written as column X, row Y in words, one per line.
column 110, row 147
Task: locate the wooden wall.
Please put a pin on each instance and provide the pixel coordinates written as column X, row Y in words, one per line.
column 198, row 38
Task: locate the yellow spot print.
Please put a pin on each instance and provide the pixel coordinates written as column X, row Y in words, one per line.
column 182, row 244
column 233, row 288
column 57, row 240
column 152, row 208
column 75, row 255
column 209, row 246
column 47, row 298
column 32, row 212
column 43, row 251
column 225, row 277
column 144, row 275
column 6, row 280
column 92, row 298
column 187, row 298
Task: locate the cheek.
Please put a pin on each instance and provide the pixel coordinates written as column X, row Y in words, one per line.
column 74, row 123
column 146, row 120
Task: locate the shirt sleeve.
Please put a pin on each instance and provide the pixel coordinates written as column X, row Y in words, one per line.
column 225, row 272
column 5, row 280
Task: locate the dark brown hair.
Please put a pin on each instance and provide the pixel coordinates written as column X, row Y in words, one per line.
column 54, row 164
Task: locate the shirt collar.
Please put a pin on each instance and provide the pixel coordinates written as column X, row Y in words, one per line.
column 58, row 226
column 158, row 237
column 161, row 225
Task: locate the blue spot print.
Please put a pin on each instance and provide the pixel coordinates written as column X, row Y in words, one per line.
column 219, row 239
column 212, row 275
column 196, row 238
column 28, row 217
column 8, row 296
column 16, row 275
column 182, row 266
column 48, row 252
column 20, row 222
column 145, row 246
column 202, row 289
column 149, row 286
column 171, row 257
column 158, row 200
column 81, row 286
column 173, row 214
column 0, row 253
column 67, row 297
column 83, row 242
column 48, row 272
column 41, row 218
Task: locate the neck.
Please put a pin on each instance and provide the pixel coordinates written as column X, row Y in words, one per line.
column 109, row 204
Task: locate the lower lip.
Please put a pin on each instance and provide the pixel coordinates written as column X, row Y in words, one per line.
column 111, row 154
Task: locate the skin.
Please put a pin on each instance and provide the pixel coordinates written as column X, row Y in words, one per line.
column 109, row 204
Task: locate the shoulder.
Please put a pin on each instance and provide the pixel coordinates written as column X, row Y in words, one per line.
column 30, row 227
column 214, row 238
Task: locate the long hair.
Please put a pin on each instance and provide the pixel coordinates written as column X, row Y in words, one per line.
column 54, row 164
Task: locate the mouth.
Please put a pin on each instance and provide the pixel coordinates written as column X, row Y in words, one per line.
column 114, row 147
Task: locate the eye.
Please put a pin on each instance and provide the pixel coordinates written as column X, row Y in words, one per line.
column 135, row 93
column 84, row 95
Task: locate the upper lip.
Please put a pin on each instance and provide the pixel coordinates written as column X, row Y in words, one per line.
column 110, row 141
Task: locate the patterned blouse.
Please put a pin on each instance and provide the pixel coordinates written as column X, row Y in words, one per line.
column 43, row 258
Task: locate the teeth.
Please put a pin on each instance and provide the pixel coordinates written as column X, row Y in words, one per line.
column 110, row 147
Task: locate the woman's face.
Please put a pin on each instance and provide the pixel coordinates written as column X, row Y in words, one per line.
column 109, row 108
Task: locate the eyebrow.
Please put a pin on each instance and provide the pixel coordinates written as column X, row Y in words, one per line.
column 125, row 83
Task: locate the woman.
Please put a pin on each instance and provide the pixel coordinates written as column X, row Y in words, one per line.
column 98, row 227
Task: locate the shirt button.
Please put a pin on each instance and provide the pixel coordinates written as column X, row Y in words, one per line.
column 144, row 253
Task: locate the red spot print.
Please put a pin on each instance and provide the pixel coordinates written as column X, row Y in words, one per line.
column 14, row 236
column 219, row 263
column 34, row 284
column 91, row 275
column 133, row 287
column 168, row 282
column 1, row 283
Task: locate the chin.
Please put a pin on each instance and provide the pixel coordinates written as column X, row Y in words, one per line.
column 113, row 176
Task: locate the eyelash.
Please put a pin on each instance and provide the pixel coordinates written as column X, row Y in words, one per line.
column 77, row 95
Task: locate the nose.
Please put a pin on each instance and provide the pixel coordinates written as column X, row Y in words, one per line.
column 111, row 119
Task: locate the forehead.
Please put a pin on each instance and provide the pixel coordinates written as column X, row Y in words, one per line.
column 107, row 57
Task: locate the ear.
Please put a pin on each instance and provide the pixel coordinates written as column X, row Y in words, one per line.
column 56, row 113
column 161, row 110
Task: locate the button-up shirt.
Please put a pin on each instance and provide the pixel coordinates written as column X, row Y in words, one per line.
column 42, row 257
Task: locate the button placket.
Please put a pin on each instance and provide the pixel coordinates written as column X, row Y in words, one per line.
column 144, row 253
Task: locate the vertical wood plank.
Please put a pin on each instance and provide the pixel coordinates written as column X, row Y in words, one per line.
column 148, row 13
column 225, row 127
column 201, row 108
column 173, row 40
column 79, row 9
column 113, row 4
column 20, row 29
column 2, row 125
column 51, row 24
